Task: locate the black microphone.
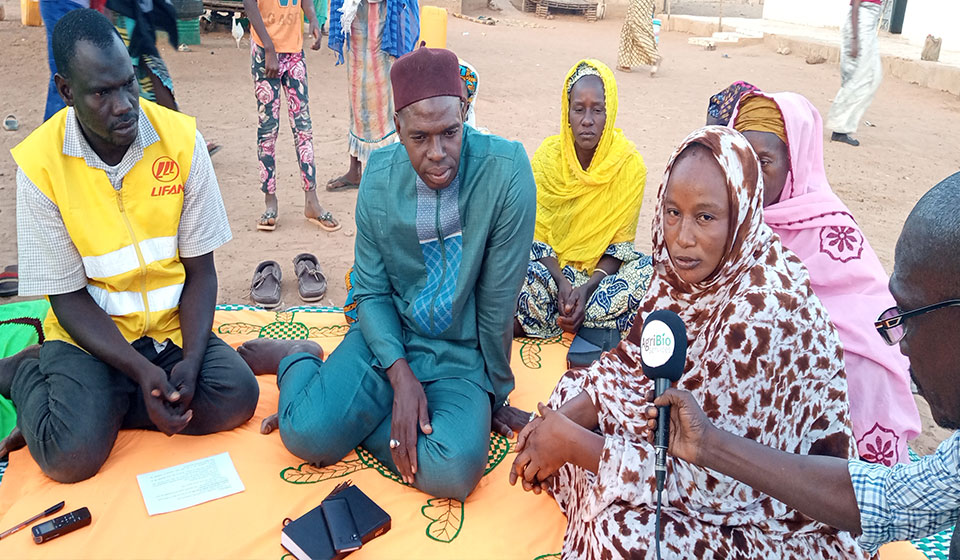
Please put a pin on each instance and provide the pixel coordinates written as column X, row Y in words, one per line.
column 663, row 354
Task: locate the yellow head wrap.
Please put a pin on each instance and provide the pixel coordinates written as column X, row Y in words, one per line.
column 762, row 115
column 580, row 212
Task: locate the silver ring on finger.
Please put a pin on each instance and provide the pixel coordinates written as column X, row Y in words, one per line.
column 394, row 443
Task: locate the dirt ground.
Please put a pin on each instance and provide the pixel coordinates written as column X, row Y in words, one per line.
column 522, row 62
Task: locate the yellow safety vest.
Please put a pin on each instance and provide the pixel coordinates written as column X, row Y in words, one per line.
column 128, row 237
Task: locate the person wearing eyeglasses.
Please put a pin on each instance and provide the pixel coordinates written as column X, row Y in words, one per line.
column 878, row 503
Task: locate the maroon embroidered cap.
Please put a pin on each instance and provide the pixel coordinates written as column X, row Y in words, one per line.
column 425, row 73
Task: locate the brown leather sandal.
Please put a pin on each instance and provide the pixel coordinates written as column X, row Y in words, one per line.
column 265, row 287
column 311, row 282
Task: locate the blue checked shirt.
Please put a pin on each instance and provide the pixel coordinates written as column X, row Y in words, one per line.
column 908, row 501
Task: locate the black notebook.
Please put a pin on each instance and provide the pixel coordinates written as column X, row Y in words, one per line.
column 309, row 538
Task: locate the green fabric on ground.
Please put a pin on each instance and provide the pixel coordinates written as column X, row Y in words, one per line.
column 20, row 326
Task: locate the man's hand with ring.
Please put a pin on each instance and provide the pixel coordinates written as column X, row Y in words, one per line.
column 409, row 412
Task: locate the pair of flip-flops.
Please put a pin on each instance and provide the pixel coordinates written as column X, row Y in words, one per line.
column 9, row 281
column 311, row 282
column 323, row 221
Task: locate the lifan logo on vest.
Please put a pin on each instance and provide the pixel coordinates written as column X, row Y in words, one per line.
column 167, row 189
column 165, row 169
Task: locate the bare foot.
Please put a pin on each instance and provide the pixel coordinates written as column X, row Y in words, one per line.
column 263, row 355
column 12, row 442
column 626, row 69
column 9, row 365
column 269, row 424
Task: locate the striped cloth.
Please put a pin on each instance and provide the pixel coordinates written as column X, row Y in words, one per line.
column 400, row 34
column 638, row 46
column 368, row 71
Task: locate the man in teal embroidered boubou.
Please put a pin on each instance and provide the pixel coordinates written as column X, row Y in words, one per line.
column 444, row 221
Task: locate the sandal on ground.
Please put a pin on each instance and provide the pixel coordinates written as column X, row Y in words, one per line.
column 341, row 184
column 263, row 224
column 213, row 148
column 265, row 287
column 311, row 282
column 589, row 344
column 9, row 281
column 11, row 123
column 324, row 220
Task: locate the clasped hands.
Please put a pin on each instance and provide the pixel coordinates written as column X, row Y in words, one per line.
column 572, row 305
column 168, row 399
column 552, row 439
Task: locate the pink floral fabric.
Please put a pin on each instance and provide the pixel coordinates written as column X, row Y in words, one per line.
column 293, row 82
column 848, row 277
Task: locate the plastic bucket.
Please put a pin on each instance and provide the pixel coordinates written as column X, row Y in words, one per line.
column 30, row 13
column 433, row 26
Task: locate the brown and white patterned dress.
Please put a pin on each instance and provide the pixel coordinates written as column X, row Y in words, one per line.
column 638, row 45
column 764, row 362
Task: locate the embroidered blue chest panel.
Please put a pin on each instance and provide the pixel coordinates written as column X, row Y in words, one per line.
column 441, row 240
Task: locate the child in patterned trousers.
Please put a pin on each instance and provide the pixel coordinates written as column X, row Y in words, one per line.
column 278, row 64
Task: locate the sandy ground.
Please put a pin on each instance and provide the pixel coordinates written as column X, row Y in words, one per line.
column 522, row 62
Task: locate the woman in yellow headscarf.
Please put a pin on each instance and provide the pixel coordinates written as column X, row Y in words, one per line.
column 585, row 275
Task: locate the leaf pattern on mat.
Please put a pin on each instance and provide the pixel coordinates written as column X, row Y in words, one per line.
column 555, row 555
column 371, row 462
column 238, row 328
column 446, row 518
column 530, row 349
column 333, row 330
column 530, row 354
column 308, row 473
column 285, row 316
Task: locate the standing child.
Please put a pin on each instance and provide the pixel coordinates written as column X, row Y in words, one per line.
column 277, row 53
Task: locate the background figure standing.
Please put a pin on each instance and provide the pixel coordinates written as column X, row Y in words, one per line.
column 137, row 22
column 51, row 11
column 376, row 33
column 276, row 49
column 321, row 7
column 638, row 44
column 861, row 70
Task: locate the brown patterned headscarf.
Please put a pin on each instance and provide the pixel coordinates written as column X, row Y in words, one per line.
column 763, row 360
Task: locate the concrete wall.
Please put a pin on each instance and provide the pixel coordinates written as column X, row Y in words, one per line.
column 940, row 18
column 819, row 13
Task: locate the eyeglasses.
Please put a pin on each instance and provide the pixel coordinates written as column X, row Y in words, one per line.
column 890, row 323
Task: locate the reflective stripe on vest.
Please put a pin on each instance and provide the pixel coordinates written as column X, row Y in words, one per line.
column 126, row 303
column 125, row 259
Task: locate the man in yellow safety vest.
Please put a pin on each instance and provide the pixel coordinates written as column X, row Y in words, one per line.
column 118, row 215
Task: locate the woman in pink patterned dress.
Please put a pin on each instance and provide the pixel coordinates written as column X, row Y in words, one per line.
column 763, row 360
column 844, row 271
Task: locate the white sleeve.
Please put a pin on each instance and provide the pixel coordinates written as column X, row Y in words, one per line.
column 49, row 263
column 203, row 221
